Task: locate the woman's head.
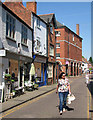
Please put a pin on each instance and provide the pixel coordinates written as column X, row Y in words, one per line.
column 62, row 75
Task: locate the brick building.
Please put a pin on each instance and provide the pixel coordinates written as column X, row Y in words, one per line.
column 51, row 46
column 68, row 50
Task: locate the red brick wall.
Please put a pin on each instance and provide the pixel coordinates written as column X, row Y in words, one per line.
column 74, row 52
column 53, row 42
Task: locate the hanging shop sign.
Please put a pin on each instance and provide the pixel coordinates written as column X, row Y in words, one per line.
column 2, row 53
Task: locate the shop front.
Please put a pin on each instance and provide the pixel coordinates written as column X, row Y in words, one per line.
column 15, row 72
column 40, row 70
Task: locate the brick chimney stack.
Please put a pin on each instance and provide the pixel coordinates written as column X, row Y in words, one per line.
column 77, row 29
column 32, row 6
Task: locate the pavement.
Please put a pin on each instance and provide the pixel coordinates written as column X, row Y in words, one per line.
column 29, row 95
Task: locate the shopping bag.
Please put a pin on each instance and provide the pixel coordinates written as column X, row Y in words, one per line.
column 70, row 98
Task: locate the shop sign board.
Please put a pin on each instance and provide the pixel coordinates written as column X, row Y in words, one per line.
column 2, row 53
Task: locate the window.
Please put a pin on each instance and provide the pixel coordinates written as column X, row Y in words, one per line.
column 50, row 71
column 38, row 44
column 51, row 28
column 57, row 33
column 57, row 45
column 51, row 50
column 73, row 37
column 24, row 35
column 57, row 55
column 38, row 23
column 10, row 26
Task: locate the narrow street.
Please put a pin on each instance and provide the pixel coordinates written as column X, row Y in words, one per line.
column 46, row 106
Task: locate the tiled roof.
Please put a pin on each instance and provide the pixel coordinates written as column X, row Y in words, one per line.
column 59, row 24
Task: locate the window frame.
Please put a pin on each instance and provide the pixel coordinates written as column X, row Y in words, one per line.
column 24, row 34
column 51, row 30
column 57, row 46
column 58, row 34
column 10, row 26
column 57, row 54
column 50, row 71
column 51, row 53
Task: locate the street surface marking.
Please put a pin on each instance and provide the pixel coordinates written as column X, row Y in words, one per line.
column 25, row 104
column 88, row 103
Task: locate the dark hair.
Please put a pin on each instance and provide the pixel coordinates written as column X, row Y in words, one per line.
column 60, row 76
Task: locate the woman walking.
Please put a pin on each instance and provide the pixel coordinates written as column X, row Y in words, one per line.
column 63, row 88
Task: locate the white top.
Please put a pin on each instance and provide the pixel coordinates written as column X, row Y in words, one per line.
column 63, row 85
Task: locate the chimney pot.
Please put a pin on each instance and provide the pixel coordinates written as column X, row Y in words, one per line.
column 77, row 29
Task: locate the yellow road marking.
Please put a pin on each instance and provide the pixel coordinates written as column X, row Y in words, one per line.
column 25, row 104
column 88, row 103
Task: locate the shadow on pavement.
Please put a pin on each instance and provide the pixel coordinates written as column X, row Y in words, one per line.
column 69, row 109
column 90, row 110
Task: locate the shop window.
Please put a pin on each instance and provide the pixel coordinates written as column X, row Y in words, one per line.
column 57, row 45
column 24, row 35
column 50, row 70
column 10, row 26
column 51, row 50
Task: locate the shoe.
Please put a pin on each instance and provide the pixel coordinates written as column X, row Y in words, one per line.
column 60, row 112
column 64, row 110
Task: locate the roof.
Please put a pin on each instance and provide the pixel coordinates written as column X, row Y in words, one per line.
column 19, row 9
column 16, row 16
column 48, row 18
column 59, row 24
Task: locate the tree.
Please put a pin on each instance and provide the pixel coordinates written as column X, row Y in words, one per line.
column 90, row 60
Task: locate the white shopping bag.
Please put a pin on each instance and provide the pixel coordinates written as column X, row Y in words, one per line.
column 70, row 98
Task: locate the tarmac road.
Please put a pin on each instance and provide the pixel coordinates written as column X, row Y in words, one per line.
column 46, row 106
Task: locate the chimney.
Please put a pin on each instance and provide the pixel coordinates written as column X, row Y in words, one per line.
column 32, row 6
column 77, row 29
column 13, row 1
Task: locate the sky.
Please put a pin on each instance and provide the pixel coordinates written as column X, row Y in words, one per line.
column 72, row 13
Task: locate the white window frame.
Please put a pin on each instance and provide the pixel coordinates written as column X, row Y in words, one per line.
column 57, row 54
column 51, row 51
column 73, row 38
column 10, row 26
column 23, row 35
column 57, row 46
column 58, row 33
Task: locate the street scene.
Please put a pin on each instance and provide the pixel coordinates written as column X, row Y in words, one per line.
column 46, row 66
